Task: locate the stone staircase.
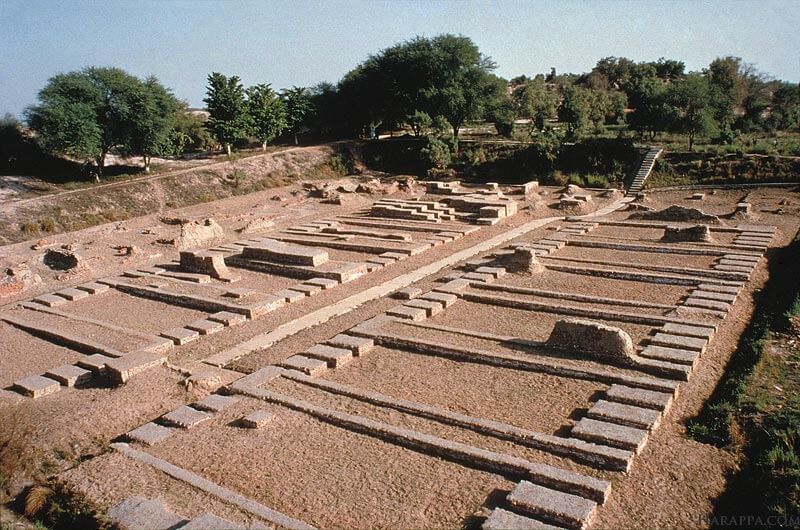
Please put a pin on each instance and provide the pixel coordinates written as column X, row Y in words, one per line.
column 644, row 171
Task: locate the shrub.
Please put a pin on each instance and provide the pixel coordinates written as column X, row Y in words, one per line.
column 436, row 153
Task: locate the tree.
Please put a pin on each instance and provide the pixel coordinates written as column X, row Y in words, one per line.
column 725, row 89
column 297, row 102
column 154, row 122
column 85, row 114
column 535, row 101
column 786, row 107
column 419, row 122
column 691, row 97
column 267, row 113
column 228, row 120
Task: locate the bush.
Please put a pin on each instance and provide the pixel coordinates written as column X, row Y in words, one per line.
column 436, row 153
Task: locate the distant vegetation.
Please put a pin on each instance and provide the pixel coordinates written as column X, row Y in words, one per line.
column 430, row 88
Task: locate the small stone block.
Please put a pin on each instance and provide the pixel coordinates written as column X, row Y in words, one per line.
column 238, row 292
column 226, row 318
column 729, row 289
column 431, row 308
column 453, row 286
column 450, row 276
column 94, row 287
column 706, row 304
column 501, row 519
column 69, row 375
column 205, row 327
column 689, row 331
column 325, row 283
column 290, row 295
column 209, row 521
column 408, row 293
column 306, row 289
column 443, row 298
column 638, row 396
column 308, row 366
column 149, row 433
column 381, row 261
column 135, row 513
column 335, row 357
column 610, row 434
column 357, row 345
column 36, row 386
column 180, row 335
column 478, row 277
column 622, row 414
column 95, row 362
column 679, row 341
column 215, row 403
column 408, row 313
column 557, row 506
column 50, row 300
column 72, row 294
column 257, row 419
column 184, row 417
column 671, row 355
column 719, row 297
column 393, row 255
column 497, row 272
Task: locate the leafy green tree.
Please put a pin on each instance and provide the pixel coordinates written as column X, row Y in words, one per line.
column 229, row 119
column 535, row 101
column 189, row 132
column 87, row 113
column 154, row 122
column 576, row 110
column 694, row 111
column 725, row 89
column 297, row 102
column 786, row 107
column 419, row 122
column 267, row 113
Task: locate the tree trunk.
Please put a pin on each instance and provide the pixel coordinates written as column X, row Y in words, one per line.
column 295, row 139
column 146, row 159
column 691, row 140
column 101, row 164
column 263, row 146
column 228, row 149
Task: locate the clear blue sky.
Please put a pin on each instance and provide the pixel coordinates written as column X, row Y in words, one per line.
column 304, row 42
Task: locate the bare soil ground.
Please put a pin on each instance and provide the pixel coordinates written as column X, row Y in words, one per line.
column 333, row 476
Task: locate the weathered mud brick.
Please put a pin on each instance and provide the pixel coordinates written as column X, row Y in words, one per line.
column 257, row 419
column 185, row 417
column 209, row 521
column 610, row 434
column 181, row 336
column 704, row 303
column 36, row 386
column 95, row 362
column 215, row 403
column 94, row 288
column 290, row 295
column 702, row 332
column 72, row 294
column 453, row 286
column 719, row 297
column 559, row 507
column 431, row 308
column 238, row 292
column 679, row 341
column 69, row 375
column 206, row 327
column 478, row 277
column 501, row 519
column 136, row 512
column 718, row 288
column 408, row 313
column 122, row 369
column 445, row 299
column 630, row 415
column 407, row 293
column 307, row 290
column 308, row 366
column 335, row 357
column 497, row 272
column 226, row 318
column 324, row 283
column 50, row 300
column 357, row 345
column 672, row 355
column 149, row 433
column 272, row 250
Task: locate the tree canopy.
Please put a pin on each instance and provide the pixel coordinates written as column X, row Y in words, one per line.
column 85, row 114
column 229, row 120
